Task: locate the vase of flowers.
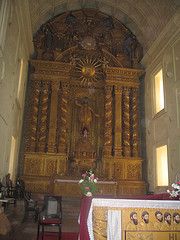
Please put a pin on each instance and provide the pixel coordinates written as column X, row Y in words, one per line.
column 175, row 192
column 88, row 183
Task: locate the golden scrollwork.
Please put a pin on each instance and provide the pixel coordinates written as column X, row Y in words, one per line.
column 33, row 167
column 134, row 171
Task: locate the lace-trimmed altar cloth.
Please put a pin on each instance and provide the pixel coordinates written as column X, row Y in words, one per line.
column 114, row 225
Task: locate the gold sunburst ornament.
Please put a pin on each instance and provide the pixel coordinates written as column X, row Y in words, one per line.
column 87, row 67
column 88, row 71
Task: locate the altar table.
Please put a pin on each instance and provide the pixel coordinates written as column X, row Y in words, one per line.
column 111, row 219
column 88, row 203
column 68, row 187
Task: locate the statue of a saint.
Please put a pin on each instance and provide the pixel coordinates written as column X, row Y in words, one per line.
column 85, row 114
column 85, row 133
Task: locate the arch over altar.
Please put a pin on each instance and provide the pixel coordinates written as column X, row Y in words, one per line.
column 82, row 105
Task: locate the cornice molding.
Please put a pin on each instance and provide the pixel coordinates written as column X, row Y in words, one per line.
column 130, row 73
column 41, row 65
column 167, row 37
column 59, row 71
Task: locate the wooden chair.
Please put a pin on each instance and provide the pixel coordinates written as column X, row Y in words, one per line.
column 30, row 206
column 51, row 215
column 19, row 189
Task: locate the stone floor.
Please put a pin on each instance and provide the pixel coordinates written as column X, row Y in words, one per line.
column 28, row 230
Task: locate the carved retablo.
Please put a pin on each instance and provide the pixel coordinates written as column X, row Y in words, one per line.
column 82, row 104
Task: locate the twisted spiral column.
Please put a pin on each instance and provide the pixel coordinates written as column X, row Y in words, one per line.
column 43, row 118
column 63, row 120
column 126, row 123
column 33, row 118
column 108, row 121
column 118, row 122
column 135, row 146
column 52, row 147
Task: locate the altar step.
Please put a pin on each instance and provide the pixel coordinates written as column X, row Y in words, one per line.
column 71, row 207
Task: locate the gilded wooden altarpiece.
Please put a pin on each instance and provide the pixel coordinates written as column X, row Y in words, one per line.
column 82, row 108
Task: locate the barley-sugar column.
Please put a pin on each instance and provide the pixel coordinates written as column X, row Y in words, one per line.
column 53, row 117
column 135, row 142
column 62, row 121
column 108, row 122
column 108, row 160
column 126, row 122
column 43, row 117
column 62, row 145
column 32, row 118
column 118, row 122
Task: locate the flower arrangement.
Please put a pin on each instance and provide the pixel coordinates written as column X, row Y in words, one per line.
column 175, row 192
column 88, row 183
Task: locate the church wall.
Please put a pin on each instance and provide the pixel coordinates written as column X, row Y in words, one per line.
column 13, row 48
column 163, row 128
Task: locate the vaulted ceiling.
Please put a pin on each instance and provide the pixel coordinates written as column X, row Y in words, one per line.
column 145, row 18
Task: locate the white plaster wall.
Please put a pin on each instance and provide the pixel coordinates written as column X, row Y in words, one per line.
column 164, row 128
column 13, row 47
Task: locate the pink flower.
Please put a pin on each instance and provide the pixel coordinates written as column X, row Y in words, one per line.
column 92, row 177
column 87, row 188
column 84, row 175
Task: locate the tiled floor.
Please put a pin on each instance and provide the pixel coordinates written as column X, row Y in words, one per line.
column 28, row 229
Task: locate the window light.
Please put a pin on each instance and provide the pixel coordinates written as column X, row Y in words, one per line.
column 162, row 166
column 159, row 92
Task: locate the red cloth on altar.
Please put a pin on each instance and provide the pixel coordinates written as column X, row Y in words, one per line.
column 84, row 211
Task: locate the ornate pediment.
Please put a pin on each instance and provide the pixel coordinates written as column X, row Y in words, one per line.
column 84, row 31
